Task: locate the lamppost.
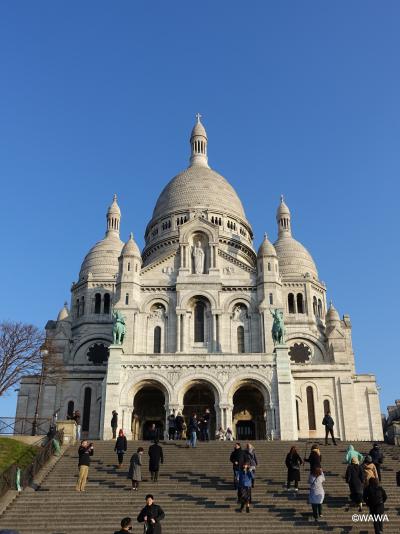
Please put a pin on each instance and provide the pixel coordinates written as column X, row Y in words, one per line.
column 43, row 352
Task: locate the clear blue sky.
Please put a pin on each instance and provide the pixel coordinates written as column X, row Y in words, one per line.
column 300, row 98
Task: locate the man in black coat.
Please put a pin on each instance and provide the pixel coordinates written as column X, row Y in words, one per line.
column 156, row 456
column 206, row 425
column 179, row 420
column 114, row 423
column 375, row 498
column 328, row 423
column 151, row 515
column 235, row 458
column 377, row 458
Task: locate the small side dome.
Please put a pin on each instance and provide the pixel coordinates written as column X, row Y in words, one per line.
column 294, row 258
column 332, row 315
column 266, row 248
column 130, row 248
column 63, row 313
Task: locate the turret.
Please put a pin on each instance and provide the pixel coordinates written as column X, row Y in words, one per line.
column 113, row 218
column 268, row 278
column 283, row 220
column 198, row 143
column 130, row 261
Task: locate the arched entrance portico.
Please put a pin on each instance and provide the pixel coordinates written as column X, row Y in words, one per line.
column 249, row 415
column 198, row 397
column 148, row 410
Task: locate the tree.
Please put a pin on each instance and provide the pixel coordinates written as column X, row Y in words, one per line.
column 20, row 352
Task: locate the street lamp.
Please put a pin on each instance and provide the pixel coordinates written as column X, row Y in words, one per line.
column 43, row 353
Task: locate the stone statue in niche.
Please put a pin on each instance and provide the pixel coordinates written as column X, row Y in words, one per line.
column 239, row 313
column 158, row 313
column 198, row 258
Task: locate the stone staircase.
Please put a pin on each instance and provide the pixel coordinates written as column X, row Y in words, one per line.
column 195, row 491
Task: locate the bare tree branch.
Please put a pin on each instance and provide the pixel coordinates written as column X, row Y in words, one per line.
column 20, row 353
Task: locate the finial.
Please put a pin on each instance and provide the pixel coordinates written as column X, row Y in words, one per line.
column 65, row 304
column 115, row 197
column 198, row 116
column 131, row 236
column 282, row 199
column 265, row 236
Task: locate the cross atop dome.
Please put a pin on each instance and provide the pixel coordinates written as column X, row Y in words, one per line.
column 198, row 116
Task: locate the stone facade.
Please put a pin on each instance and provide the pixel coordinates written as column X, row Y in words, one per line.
column 197, row 303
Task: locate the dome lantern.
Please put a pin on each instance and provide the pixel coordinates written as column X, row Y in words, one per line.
column 113, row 218
column 283, row 219
column 198, row 143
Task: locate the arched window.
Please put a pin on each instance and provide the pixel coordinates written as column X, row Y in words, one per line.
column 82, row 305
column 327, row 406
column 157, row 340
column 70, row 409
column 271, row 298
column 127, row 298
column 240, row 339
column 311, row 408
column 319, row 308
column 86, row 410
column 297, row 415
column 97, row 303
column 269, row 266
column 291, row 303
column 300, row 303
column 199, row 312
column 77, row 307
column 129, row 265
column 314, row 306
column 107, row 301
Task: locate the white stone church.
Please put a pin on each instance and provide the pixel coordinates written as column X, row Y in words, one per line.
column 197, row 304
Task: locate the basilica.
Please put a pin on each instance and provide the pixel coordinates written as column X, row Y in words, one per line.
column 198, row 303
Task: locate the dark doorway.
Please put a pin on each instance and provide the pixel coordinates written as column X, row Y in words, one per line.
column 148, row 408
column 245, row 430
column 196, row 400
column 310, row 408
column 248, row 412
column 86, row 410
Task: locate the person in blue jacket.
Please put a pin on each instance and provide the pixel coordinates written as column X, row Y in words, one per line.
column 244, row 492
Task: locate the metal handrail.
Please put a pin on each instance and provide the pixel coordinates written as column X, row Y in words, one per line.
column 9, row 476
column 24, row 425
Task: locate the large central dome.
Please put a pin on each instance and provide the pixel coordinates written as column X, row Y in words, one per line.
column 199, row 187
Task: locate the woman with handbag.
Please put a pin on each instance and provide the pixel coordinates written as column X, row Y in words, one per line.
column 293, row 463
column 135, row 468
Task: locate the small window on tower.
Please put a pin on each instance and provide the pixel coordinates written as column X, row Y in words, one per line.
column 271, row 298
column 269, row 266
column 129, row 266
column 127, row 298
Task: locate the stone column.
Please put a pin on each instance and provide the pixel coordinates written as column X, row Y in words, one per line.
column 184, row 332
column 127, row 421
column 219, row 417
column 111, row 389
column 262, row 324
column 178, row 332
column 214, row 333
column 286, row 395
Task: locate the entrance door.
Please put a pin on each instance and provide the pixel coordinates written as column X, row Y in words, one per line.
column 245, row 430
